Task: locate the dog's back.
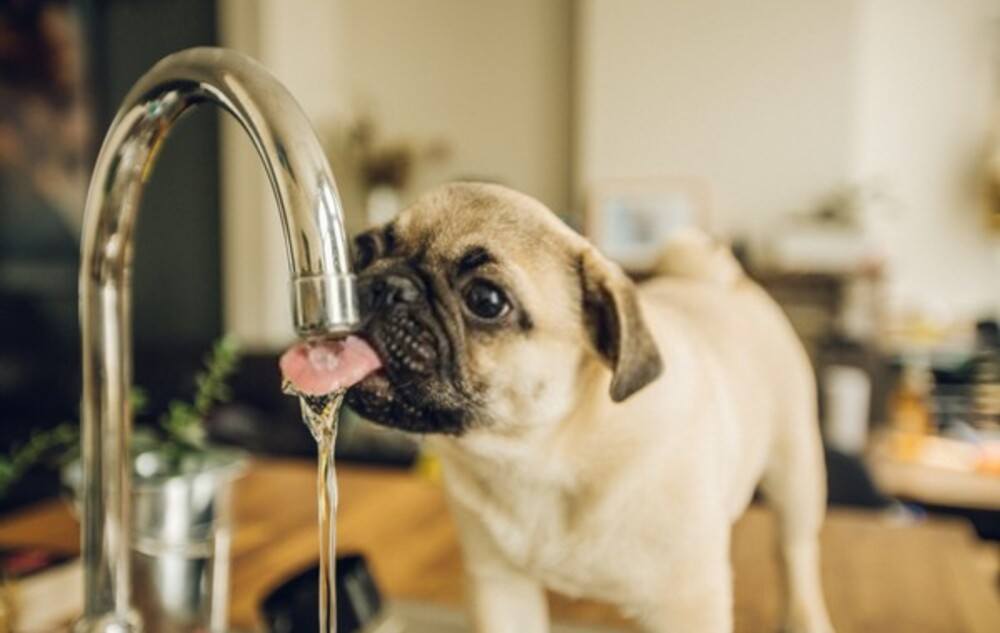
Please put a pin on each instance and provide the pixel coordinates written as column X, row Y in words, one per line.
column 745, row 342
column 773, row 434
column 690, row 254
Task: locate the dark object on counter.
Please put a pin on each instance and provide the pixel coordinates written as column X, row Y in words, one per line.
column 966, row 394
column 294, row 606
column 985, row 377
column 986, row 523
column 850, row 484
column 988, row 333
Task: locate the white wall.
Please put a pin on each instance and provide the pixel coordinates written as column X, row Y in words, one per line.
column 926, row 104
column 775, row 103
column 491, row 78
column 748, row 96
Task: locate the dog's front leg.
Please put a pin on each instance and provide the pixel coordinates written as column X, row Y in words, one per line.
column 697, row 596
column 502, row 598
column 505, row 601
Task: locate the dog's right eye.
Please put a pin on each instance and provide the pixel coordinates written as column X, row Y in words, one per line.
column 486, row 300
column 364, row 252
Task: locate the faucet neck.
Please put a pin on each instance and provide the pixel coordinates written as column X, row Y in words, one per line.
column 322, row 286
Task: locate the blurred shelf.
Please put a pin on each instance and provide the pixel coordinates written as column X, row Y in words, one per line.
column 932, row 485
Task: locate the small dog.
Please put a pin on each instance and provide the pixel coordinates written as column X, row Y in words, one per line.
column 597, row 438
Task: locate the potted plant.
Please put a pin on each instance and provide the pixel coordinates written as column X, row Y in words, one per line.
column 181, row 499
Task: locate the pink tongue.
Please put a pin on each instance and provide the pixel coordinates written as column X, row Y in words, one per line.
column 317, row 369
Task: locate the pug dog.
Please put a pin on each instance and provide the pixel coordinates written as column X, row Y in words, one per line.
column 598, row 437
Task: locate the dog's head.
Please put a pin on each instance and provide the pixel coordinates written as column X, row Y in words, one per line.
column 485, row 310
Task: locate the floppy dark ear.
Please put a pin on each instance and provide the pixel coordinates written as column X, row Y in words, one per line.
column 614, row 321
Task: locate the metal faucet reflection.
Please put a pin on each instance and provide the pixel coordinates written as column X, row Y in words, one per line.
column 322, row 287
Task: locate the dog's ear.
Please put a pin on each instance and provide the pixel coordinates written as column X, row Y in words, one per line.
column 613, row 319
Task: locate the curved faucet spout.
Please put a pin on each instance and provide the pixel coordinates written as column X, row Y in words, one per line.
column 322, row 287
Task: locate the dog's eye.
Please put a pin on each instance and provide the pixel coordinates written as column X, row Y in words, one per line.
column 364, row 252
column 485, row 300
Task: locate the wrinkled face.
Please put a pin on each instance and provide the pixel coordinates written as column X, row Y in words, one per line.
column 472, row 300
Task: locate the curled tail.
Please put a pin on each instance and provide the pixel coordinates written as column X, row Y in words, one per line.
column 691, row 254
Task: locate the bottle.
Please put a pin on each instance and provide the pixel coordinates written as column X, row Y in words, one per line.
column 911, row 413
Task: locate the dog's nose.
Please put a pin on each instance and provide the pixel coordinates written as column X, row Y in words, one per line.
column 388, row 290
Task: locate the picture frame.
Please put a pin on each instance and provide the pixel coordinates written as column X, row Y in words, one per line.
column 631, row 220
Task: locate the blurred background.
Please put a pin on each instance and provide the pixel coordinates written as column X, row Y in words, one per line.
column 849, row 150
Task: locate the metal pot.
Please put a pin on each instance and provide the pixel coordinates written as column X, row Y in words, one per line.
column 181, row 534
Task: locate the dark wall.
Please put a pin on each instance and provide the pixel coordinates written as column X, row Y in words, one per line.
column 177, row 276
column 177, row 285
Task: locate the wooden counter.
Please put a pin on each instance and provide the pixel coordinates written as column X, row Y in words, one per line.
column 928, row 484
column 880, row 577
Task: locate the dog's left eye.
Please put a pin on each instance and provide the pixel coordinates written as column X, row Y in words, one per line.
column 485, row 300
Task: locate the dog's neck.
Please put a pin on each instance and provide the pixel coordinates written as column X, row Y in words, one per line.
column 511, row 447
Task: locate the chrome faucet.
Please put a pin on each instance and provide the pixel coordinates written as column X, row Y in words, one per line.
column 322, row 287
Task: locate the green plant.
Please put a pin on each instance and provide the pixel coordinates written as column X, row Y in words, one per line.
column 40, row 446
column 182, row 426
column 178, row 434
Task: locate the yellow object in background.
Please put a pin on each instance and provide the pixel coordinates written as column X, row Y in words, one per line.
column 907, row 447
column 910, row 403
column 428, row 466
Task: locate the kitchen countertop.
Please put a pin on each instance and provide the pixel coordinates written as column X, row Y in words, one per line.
column 881, row 576
column 929, row 484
